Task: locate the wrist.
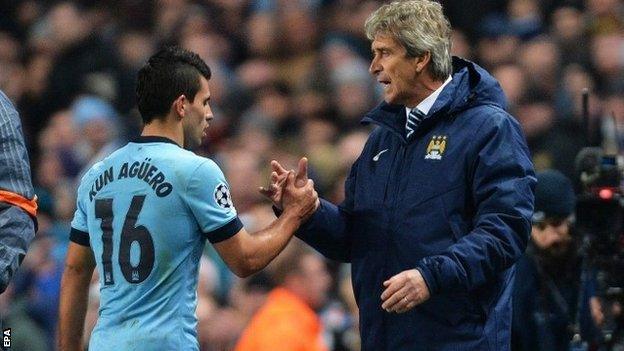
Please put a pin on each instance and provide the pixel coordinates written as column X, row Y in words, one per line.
column 293, row 215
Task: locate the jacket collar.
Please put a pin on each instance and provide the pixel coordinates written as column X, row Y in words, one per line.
column 389, row 116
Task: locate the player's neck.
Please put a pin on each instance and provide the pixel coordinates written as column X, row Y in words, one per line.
column 164, row 129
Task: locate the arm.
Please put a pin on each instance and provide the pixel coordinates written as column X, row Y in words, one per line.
column 503, row 182
column 247, row 253
column 17, row 230
column 327, row 232
column 79, row 267
column 17, row 200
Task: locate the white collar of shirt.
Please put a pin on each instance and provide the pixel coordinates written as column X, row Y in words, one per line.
column 428, row 102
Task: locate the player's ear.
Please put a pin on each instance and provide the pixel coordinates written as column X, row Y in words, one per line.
column 179, row 106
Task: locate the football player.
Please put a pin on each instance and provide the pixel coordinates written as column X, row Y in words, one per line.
column 145, row 212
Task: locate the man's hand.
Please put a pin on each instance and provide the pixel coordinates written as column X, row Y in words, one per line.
column 278, row 179
column 300, row 201
column 404, row 291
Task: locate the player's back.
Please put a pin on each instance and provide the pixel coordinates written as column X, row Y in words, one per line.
column 148, row 209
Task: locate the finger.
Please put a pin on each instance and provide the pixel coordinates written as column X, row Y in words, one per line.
column 278, row 180
column 410, row 304
column 398, row 299
column 390, row 290
column 282, row 180
column 265, row 192
column 290, row 179
column 302, row 171
column 392, row 279
column 277, row 167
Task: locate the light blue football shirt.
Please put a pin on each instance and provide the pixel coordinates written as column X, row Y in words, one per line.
column 146, row 212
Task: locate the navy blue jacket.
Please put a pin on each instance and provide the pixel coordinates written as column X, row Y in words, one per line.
column 455, row 202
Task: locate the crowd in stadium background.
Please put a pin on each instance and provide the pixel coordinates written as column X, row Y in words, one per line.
column 290, row 78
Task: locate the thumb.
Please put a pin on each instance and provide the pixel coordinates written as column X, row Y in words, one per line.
column 302, row 172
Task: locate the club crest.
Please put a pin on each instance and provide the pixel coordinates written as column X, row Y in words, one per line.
column 436, row 147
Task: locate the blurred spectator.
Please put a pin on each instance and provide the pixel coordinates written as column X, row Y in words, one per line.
column 341, row 317
column 605, row 16
column 460, row 45
column 540, row 60
column 26, row 334
column 512, row 79
column 607, row 59
column 40, row 281
column 79, row 53
column 96, row 122
column 548, row 275
column 287, row 321
column 553, row 142
column 569, row 32
column 525, row 18
column 497, row 43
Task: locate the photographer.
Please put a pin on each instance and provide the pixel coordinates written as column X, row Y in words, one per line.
column 548, row 275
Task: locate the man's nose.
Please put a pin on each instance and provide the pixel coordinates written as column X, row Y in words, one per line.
column 374, row 67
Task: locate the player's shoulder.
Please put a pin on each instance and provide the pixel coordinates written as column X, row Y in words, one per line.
column 203, row 166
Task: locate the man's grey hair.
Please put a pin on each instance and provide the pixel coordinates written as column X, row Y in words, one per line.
column 419, row 26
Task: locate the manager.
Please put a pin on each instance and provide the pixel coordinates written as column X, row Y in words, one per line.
column 437, row 207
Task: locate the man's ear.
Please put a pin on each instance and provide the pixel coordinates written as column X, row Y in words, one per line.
column 422, row 61
column 179, row 106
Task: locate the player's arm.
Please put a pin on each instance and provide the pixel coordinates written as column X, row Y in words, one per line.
column 247, row 253
column 79, row 266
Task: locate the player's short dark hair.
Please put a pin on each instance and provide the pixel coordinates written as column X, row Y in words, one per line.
column 169, row 73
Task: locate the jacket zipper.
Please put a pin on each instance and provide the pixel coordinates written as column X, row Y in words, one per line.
column 392, row 205
column 397, row 182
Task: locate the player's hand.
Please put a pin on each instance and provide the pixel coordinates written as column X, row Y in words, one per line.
column 404, row 291
column 274, row 191
column 302, row 201
column 278, row 179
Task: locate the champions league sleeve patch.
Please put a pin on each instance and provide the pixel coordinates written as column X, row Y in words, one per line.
column 222, row 196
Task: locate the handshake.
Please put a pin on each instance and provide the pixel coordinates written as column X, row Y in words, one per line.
column 292, row 192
